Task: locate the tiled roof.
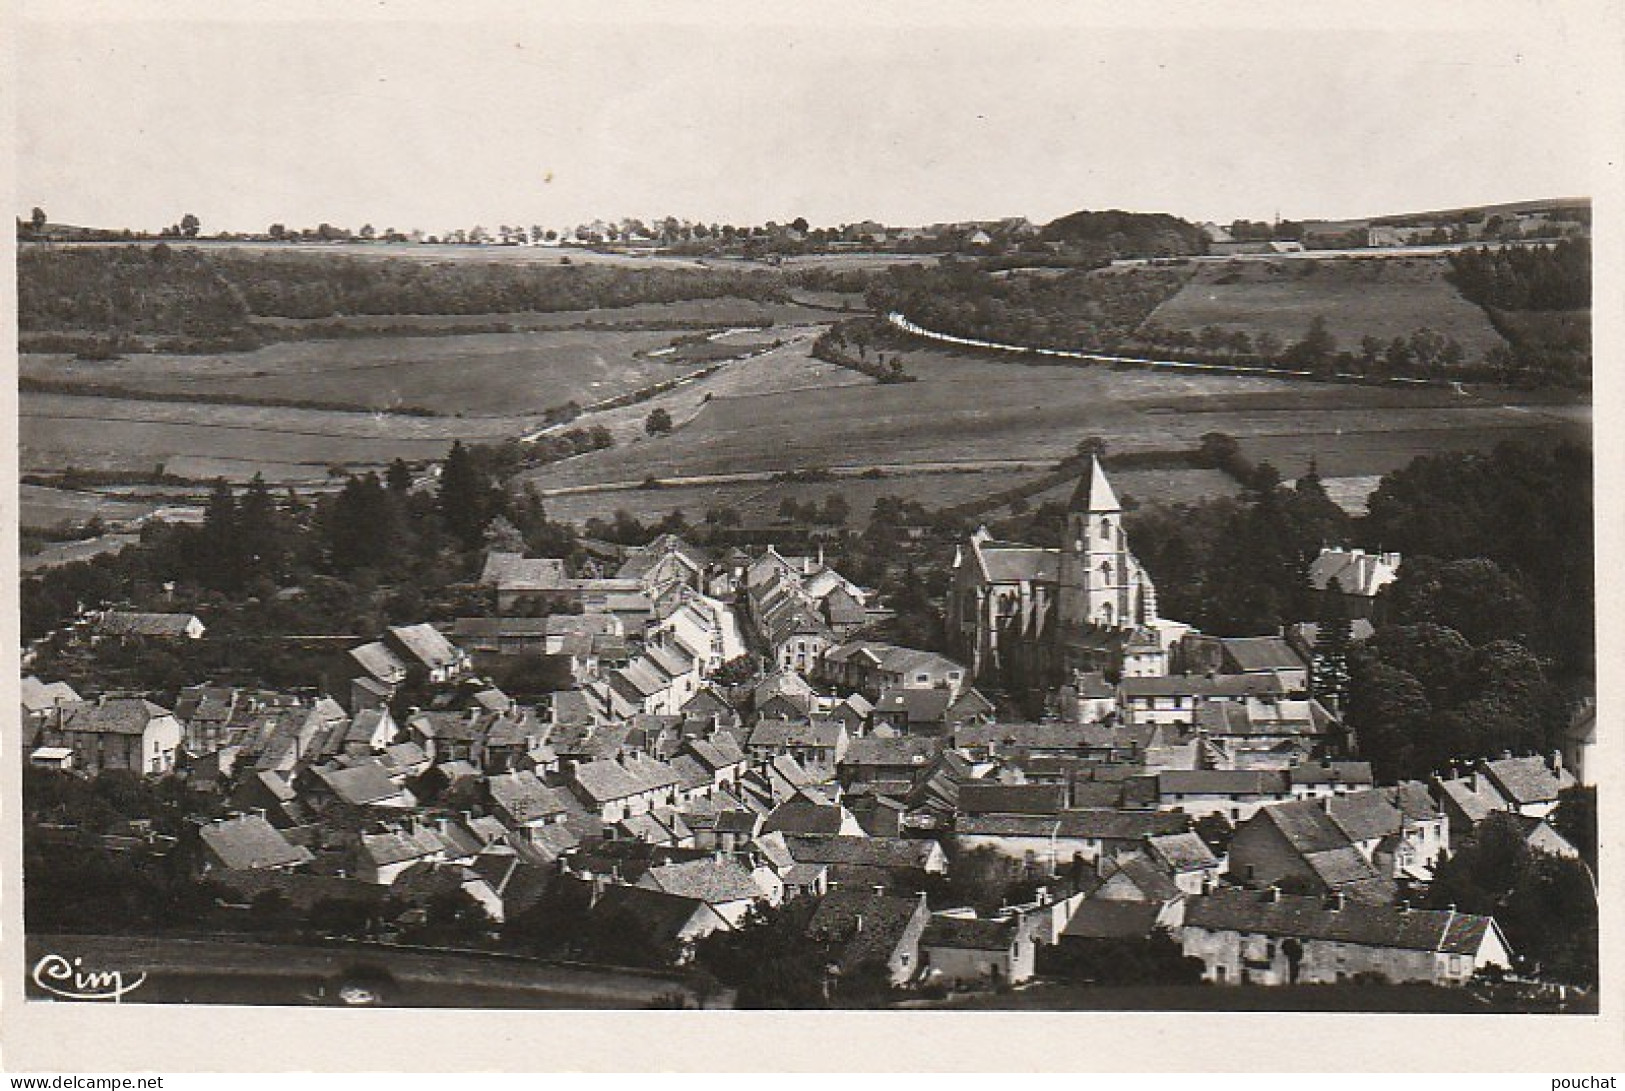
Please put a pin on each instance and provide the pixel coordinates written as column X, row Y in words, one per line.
column 800, row 815
column 868, row 927
column 1182, row 852
column 1226, row 782
column 427, row 645
column 130, row 623
column 1149, row 879
column 1261, row 653
column 397, row 846
column 360, row 784
column 966, row 934
column 1087, row 824
column 1305, row 826
column 605, row 781
column 918, row 706
column 1008, row 563
column 717, row 753
column 1201, row 685
column 525, row 798
column 886, row 852
column 1364, row 816
column 992, row 798
column 1525, row 780
column 248, row 842
column 1099, row 918
column 1356, row 572
column 819, row 733
column 518, row 573
column 1332, row 772
column 660, row 915
column 901, row 750
column 709, row 880
column 379, row 662
column 115, row 716
column 1438, row 930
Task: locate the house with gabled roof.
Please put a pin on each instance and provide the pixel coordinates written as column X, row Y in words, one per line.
column 870, row 930
column 135, row 625
column 871, row 758
column 1299, row 841
column 117, row 733
column 817, row 744
column 1355, row 575
column 962, row 950
column 247, row 842
column 1266, row 655
column 1272, row 938
column 1313, row 779
column 872, row 667
column 1529, row 785
column 612, row 791
column 423, row 648
column 802, row 815
column 523, row 804
column 384, row 854
column 672, row 919
column 366, row 783
column 1052, row 842
column 1187, row 859
column 1237, row 794
column 725, row 885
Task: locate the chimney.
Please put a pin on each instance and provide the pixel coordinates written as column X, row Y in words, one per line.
column 1556, row 762
column 857, row 923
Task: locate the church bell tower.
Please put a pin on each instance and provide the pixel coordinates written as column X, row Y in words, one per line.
column 1095, row 568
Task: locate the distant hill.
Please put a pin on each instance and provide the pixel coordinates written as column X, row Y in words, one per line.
column 1568, row 209
column 1128, row 234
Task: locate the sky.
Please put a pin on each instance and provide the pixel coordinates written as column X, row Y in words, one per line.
column 129, row 115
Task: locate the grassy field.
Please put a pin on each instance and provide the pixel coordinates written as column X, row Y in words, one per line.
column 471, row 375
column 721, row 312
column 758, row 502
column 40, row 507
column 204, row 441
column 1380, row 297
column 973, row 409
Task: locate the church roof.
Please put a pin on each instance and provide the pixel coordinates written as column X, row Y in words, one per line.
column 1094, row 492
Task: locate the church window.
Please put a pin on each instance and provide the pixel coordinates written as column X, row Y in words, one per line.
column 1105, row 530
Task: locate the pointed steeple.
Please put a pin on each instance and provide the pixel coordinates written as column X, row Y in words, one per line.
column 1094, row 492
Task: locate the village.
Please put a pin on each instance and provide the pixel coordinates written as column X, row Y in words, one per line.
column 730, row 765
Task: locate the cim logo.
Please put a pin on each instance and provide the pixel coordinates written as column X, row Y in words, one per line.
column 71, row 981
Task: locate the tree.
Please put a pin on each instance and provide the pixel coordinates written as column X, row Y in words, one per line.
column 769, row 958
column 658, row 423
column 220, row 545
column 1318, row 344
column 1334, row 633
column 190, row 226
column 1576, row 819
column 260, row 531
column 399, row 477
column 464, row 498
column 37, row 219
column 1473, row 596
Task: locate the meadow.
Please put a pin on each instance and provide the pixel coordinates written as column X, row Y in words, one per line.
column 294, row 446
column 1383, row 297
column 484, row 374
column 969, row 410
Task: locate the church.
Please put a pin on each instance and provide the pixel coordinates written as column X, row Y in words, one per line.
column 1027, row 617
